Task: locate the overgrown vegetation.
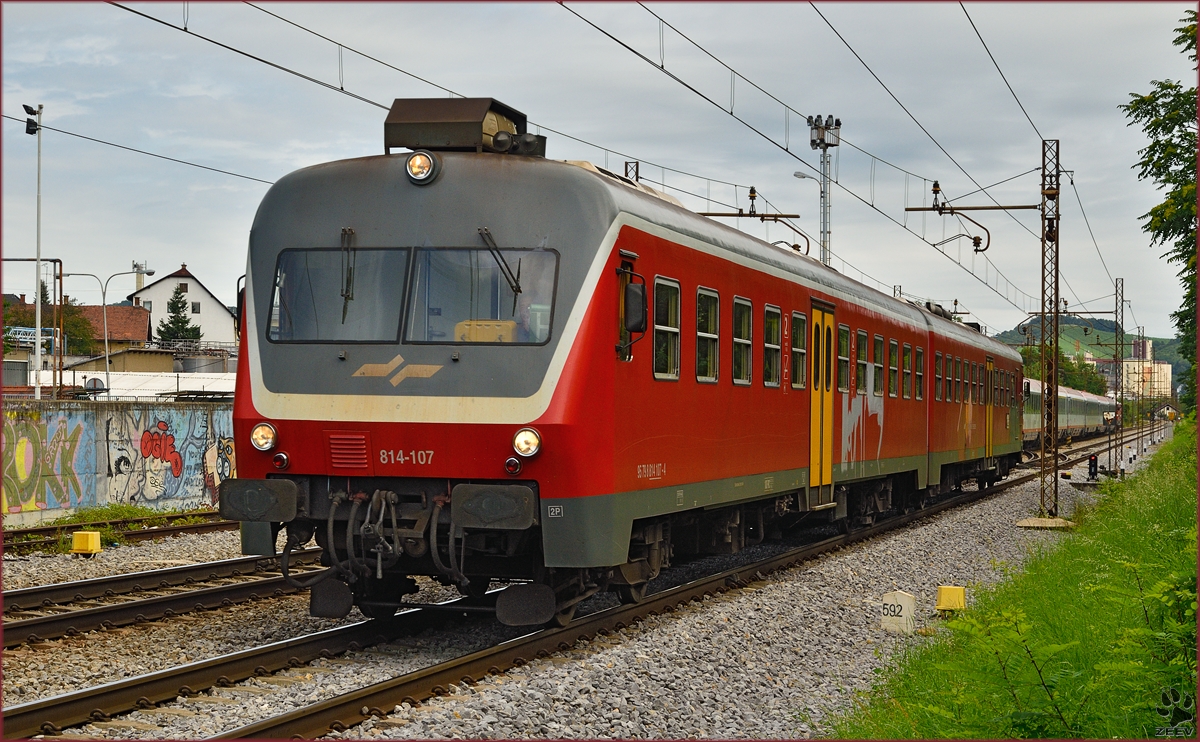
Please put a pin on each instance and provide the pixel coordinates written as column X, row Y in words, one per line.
column 110, row 536
column 1083, row 643
column 1072, row 372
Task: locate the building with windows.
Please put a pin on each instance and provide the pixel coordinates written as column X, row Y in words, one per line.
column 215, row 320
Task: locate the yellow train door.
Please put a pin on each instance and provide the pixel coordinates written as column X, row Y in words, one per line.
column 820, row 467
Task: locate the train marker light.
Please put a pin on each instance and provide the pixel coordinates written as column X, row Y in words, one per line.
column 512, row 465
column 527, row 442
column 280, row 460
column 262, row 436
column 421, row 167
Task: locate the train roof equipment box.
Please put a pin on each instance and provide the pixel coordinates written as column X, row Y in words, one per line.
column 459, row 124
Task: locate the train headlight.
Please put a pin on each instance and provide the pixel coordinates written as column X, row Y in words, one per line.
column 421, row 167
column 527, row 442
column 262, row 436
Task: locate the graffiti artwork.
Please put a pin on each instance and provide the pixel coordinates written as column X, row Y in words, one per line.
column 47, row 463
column 60, row 455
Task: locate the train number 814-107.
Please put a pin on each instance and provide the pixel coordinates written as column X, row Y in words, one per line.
column 387, row 456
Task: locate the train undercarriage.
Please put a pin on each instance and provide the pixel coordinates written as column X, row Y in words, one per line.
column 377, row 533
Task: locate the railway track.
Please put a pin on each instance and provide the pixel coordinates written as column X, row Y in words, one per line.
column 51, row 715
column 67, row 608
column 24, row 540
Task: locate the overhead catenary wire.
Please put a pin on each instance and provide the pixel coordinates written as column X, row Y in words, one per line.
column 1039, row 133
column 337, row 88
column 1002, row 76
column 933, row 139
column 340, row 89
column 143, row 152
column 756, row 86
column 1030, row 300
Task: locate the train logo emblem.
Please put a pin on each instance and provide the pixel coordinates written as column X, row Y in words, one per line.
column 411, row 371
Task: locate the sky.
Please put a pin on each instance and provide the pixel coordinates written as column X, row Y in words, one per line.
column 104, row 72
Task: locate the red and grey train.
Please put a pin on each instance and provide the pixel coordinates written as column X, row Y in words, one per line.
column 468, row 361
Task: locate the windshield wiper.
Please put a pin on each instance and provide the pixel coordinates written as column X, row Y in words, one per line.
column 514, row 280
column 349, row 261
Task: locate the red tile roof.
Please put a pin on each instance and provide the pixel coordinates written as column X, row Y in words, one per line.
column 124, row 322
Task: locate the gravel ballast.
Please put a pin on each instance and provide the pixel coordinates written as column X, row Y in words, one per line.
column 190, row 548
column 769, row 661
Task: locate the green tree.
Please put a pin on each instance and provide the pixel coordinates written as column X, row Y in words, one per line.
column 79, row 333
column 177, row 325
column 1075, row 373
column 1167, row 115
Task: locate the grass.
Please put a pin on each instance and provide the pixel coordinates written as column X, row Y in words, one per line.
column 1082, row 643
column 110, row 536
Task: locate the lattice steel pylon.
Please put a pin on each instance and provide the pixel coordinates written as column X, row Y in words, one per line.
column 1049, row 325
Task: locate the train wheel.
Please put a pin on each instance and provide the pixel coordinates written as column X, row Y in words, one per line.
column 631, row 594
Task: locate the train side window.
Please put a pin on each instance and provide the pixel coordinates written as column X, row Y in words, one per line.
column 937, row 376
column 708, row 323
column 995, row 384
column 957, row 379
column 843, row 359
column 893, row 368
column 877, row 362
column 799, row 349
column 743, row 330
column 666, row 329
column 860, row 372
column 974, row 383
column 920, row 361
column 907, row 368
column 772, row 353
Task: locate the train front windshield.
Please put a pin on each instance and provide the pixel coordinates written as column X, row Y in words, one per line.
column 456, row 296
column 476, row 296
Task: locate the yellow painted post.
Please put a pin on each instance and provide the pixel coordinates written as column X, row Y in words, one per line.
column 85, row 542
column 951, row 598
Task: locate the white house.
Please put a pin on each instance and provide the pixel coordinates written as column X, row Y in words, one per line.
column 216, row 321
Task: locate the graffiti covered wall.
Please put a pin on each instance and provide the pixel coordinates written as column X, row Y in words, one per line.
column 58, row 456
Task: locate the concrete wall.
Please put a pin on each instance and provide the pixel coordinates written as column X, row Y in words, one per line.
column 59, row 456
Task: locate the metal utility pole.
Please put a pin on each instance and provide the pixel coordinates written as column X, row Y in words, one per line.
column 1141, row 366
column 822, row 136
column 1119, row 357
column 1049, row 326
column 35, row 127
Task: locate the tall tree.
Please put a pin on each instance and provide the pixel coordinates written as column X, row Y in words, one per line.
column 1167, row 115
column 177, row 325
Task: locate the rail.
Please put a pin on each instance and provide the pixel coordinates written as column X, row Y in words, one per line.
column 51, row 715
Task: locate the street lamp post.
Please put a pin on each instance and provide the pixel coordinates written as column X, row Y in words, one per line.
column 104, row 311
column 35, row 127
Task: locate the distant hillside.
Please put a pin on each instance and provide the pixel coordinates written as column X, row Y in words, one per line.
column 1072, row 340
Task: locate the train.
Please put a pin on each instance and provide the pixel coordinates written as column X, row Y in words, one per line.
column 549, row 375
column 1080, row 414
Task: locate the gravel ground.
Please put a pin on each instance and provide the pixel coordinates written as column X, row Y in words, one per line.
column 769, row 661
column 44, row 569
